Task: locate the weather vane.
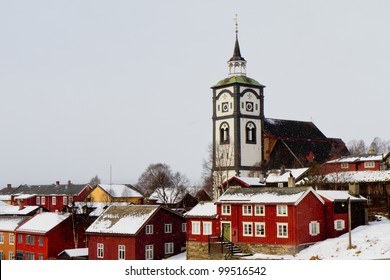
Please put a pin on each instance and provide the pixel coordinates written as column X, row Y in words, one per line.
column 236, row 21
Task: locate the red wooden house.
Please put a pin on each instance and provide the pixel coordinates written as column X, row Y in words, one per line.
column 271, row 220
column 51, row 197
column 136, row 232
column 366, row 162
column 45, row 235
column 336, row 211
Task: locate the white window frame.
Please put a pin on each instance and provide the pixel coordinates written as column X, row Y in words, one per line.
column 169, row 248
column 314, row 228
column 40, row 257
column 41, row 241
column 247, row 229
column 207, row 228
column 11, row 239
column 30, row 256
column 43, row 200
column 149, row 252
column 20, row 239
column 11, row 255
column 369, row 164
column 53, row 200
column 280, row 185
column 167, row 228
column 184, row 227
column 195, row 225
column 100, row 250
column 1, row 238
column 30, row 239
column 339, row 224
column 256, row 232
column 64, row 200
column 259, row 210
column 38, row 200
column 226, row 209
column 247, row 210
column 280, row 210
column 344, row 165
column 149, row 229
column 121, row 252
column 280, row 231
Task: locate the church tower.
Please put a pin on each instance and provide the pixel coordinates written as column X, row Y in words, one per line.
column 238, row 120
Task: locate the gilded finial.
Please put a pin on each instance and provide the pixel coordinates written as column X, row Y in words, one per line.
column 236, row 23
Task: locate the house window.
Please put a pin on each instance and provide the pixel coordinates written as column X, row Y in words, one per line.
column 259, row 210
column 149, row 252
column 54, row 200
column 224, row 133
column 30, row 239
column 369, row 200
column 100, row 250
column 280, row 185
column 260, row 229
column 207, row 228
column 149, row 229
column 1, row 255
column 40, row 241
column 314, row 228
column 30, row 256
column 168, row 248
column 1, row 238
column 20, row 239
column 250, row 130
column 64, row 200
column 184, row 227
column 121, row 252
column 38, row 200
column 11, row 239
column 344, row 165
column 226, row 210
column 282, row 230
column 40, row 256
column 369, row 164
column 247, row 229
column 195, row 227
column 281, row 210
column 339, row 224
column 167, row 228
column 11, row 255
column 43, row 200
column 247, row 210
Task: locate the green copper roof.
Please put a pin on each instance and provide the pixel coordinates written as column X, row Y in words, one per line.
column 238, row 79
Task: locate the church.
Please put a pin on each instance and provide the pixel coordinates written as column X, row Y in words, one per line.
column 246, row 143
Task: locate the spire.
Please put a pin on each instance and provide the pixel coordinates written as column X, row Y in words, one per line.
column 237, row 64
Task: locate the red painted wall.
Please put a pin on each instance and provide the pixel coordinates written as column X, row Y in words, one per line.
column 216, row 229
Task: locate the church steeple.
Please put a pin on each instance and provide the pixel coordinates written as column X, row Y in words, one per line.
column 237, row 64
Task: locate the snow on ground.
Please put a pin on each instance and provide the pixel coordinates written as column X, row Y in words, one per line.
column 368, row 242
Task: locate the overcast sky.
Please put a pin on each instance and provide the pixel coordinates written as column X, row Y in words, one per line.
column 86, row 84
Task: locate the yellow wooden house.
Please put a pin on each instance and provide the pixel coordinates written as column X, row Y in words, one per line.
column 115, row 193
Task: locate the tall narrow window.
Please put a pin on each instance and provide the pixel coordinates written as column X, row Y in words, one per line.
column 149, row 252
column 54, row 200
column 100, row 250
column 250, row 133
column 224, row 133
column 121, row 252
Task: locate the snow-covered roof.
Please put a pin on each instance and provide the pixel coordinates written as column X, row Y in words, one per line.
column 266, row 195
column 333, row 195
column 122, row 219
column 24, row 196
column 203, row 209
column 120, row 190
column 4, row 197
column 350, row 159
column 79, row 252
column 15, row 210
column 276, row 177
column 10, row 223
column 98, row 207
column 43, row 222
column 358, row 177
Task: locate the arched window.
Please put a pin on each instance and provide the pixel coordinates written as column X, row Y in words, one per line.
column 250, row 133
column 224, row 133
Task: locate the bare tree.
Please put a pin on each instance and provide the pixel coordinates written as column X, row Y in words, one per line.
column 380, row 146
column 223, row 160
column 95, row 181
column 357, row 147
column 207, row 171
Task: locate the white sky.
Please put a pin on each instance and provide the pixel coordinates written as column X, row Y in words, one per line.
column 86, row 84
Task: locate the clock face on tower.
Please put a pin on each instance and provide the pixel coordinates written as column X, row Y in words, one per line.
column 249, row 106
column 225, row 106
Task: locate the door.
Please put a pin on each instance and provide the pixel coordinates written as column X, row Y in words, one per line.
column 226, row 233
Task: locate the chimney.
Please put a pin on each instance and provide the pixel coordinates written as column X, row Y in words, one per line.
column 291, row 182
column 9, row 186
column 354, row 189
column 57, row 183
